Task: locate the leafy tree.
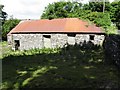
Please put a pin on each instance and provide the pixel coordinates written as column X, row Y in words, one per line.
column 111, row 8
column 114, row 6
column 97, row 6
column 117, row 16
column 61, row 10
column 75, row 9
column 7, row 26
column 92, row 12
column 3, row 15
column 101, row 19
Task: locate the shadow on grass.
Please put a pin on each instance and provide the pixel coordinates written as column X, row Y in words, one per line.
column 73, row 67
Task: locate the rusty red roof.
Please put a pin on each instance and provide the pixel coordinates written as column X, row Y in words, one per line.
column 64, row 25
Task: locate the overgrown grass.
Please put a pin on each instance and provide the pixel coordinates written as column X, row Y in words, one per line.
column 4, row 49
column 7, row 51
column 70, row 67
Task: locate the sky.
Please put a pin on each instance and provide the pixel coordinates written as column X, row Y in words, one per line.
column 27, row 9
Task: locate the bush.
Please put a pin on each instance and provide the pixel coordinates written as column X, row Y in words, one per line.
column 111, row 29
column 112, row 49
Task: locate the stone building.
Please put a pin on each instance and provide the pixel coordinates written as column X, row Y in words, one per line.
column 53, row 33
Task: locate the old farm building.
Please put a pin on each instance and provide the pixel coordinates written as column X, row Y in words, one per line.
column 53, row 33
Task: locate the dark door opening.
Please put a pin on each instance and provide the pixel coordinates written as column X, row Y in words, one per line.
column 92, row 37
column 17, row 44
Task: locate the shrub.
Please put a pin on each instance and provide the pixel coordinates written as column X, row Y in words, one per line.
column 112, row 49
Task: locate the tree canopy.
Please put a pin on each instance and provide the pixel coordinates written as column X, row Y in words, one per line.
column 92, row 11
column 3, row 15
column 117, row 15
column 7, row 26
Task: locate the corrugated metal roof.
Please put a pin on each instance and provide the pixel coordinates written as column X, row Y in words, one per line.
column 64, row 25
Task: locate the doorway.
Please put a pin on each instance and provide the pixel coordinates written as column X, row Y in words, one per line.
column 71, row 38
column 47, row 41
column 17, row 44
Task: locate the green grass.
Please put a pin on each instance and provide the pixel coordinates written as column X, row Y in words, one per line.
column 71, row 67
column 4, row 49
column 7, row 51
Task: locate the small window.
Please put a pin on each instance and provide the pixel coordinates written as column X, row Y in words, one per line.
column 71, row 35
column 47, row 36
column 17, row 44
column 92, row 37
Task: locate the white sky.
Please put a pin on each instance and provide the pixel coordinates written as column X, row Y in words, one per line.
column 27, row 9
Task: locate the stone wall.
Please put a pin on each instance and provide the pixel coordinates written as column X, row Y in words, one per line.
column 58, row 40
column 80, row 38
column 31, row 41
column 9, row 39
column 98, row 39
column 28, row 41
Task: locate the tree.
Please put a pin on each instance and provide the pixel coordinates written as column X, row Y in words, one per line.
column 118, row 18
column 61, row 10
column 97, row 6
column 3, row 15
column 111, row 8
column 116, row 14
column 92, row 12
column 7, row 26
column 114, row 6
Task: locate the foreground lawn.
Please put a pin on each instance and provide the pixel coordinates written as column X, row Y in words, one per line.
column 71, row 67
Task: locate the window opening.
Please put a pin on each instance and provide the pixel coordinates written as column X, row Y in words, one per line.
column 71, row 35
column 47, row 36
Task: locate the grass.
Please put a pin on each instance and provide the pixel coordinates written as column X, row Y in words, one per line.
column 4, row 49
column 70, row 67
column 7, row 51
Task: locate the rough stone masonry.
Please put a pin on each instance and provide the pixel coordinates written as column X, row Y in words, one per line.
column 53, row 40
